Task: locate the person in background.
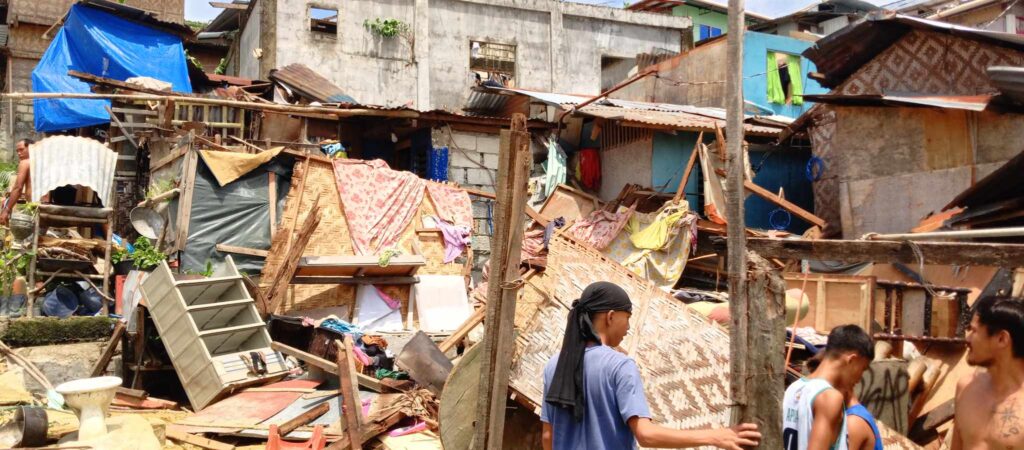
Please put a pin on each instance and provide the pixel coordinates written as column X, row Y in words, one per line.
column 594, row 396
column 990, row 402
column 22, row 184
column 814, row 408
column 861, row 425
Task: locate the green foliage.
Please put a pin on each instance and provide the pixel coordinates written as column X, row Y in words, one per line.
column 193, row 60
column 49, row 330
column 119, row 254
column 159, row 187
column 146, row 256
column 29, row 208
column 208, row 272
column 15, row 263
column 388, row 28
column 222, row 67
column 196, row 25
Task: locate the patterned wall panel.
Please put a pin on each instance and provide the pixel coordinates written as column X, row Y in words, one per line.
column 826, row 189
column 928, row 62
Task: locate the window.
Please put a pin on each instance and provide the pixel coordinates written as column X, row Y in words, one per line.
column 322, row 20
column 785, row 79
column 708, row 32
column 494, row 63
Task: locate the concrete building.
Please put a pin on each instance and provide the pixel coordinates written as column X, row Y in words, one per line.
column 437, row 48
column 1004, row 16
column 29, row 26
column 817, row 20
column 710, row 19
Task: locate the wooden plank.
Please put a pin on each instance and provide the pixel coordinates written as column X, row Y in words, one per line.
column 365, row 381
column 188, row 186
column 108, row 352
column 231, row 6
column 199, row 441
column 355, row 280
column 781, row 203
column 456, row 413
column 514, row 163
column 476, row 319
column 349, row 402
column 272, row 199
column 279, row 285
column 303, row 419
column 849, row 251
column 681, row 192
column 242, row 250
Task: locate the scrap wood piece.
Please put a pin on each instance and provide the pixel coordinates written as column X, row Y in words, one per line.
column 127, row 401
column 456, row 337
column 303, row 419
column 425, row 362
column 325, row 365
column 225, row 248
column 457, row 414
column 351, row 406
column 781, row 203
column 279, row 285
column 179, row 435
column 108, row 351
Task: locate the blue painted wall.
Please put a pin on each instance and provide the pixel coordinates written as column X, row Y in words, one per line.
column 755, row 84
column 783, row 168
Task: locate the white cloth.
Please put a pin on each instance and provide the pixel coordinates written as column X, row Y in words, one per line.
column 798, row 414
column 131, row 295
column 442, row 303
column 373, row 313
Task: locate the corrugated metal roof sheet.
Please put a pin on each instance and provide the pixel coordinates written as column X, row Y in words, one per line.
column 1009, row 81
column 964, row 102
column 307, row 83
column 682, row 117
column 62, row 160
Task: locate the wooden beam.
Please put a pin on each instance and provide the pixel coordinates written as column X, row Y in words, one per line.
column 279, row 285
column 514, row 162
column 846, row 251
column 349, row 402
column 451, row 341
column 303, row 419
column 365, row 381
column 782, row 203
column 681, row 193
column 272, row 199
column 225, row 248
column 354, row 280
column 108, row 351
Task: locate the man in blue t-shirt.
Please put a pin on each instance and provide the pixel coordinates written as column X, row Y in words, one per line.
column 594, row 396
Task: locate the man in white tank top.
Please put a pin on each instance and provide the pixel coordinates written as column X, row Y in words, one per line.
column 814, row 410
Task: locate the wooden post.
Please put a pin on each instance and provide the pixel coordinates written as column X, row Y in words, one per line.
column 108, row 351
column 352, row 408
column 737, row 235
column 513, row 172
column 681, row 193
column 272, row 197
column 756, row 310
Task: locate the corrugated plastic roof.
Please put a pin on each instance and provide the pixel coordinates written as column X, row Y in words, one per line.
column 61, row 160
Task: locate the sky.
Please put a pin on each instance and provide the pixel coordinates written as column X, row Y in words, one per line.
column 201, row 9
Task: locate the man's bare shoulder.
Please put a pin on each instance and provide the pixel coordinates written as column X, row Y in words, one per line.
column 972, row 380
column 24, row 165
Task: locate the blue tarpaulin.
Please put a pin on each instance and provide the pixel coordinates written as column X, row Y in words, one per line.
column 105, row 45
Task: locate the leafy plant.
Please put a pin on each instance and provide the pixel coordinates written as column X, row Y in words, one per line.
column 195, row 61
column 146, row 256
column 388, row 28
column 14, row 263
column 119, row 255
column 208, row 272
column 222, row 67
column 159, row 187
column 29, row 208
column 196, row 25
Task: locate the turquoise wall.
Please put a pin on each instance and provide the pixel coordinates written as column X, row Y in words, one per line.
column 755, row 83
column 702, row 16
column 779, row 169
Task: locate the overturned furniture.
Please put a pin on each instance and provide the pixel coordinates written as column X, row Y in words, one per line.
column 212, row 331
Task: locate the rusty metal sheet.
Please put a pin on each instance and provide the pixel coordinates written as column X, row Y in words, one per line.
column 250, row 407
column 307, row 83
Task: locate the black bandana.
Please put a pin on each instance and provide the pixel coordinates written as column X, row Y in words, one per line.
column 566, row 389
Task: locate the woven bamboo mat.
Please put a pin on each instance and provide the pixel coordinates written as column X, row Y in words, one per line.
column 332, row 238
column 683, row 358
column 892, row 440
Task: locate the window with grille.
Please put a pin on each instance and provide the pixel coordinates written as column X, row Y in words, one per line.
column 493, row 61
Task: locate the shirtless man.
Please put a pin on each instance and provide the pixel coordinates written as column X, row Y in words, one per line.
column 21, row 182
column 990, row 402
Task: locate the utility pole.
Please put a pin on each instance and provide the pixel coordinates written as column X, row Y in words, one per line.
column 756, row 308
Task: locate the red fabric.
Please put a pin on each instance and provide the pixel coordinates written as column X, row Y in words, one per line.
column 590, row 168
column 452, row 204
column 379, row 203
column 600, row 227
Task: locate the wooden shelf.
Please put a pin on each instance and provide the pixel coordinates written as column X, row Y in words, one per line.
column 358, row 266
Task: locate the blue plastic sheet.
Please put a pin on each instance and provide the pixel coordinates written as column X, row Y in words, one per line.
column 102, row 44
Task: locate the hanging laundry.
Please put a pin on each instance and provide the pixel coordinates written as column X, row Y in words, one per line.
column 554, row 168
column 376, row 311
column 665, row 249
column 600, row 227
column 452, row 204
column 442, row 303
column 456, row 238
column 656, row 235
column 590, row 168
column 379, row 203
